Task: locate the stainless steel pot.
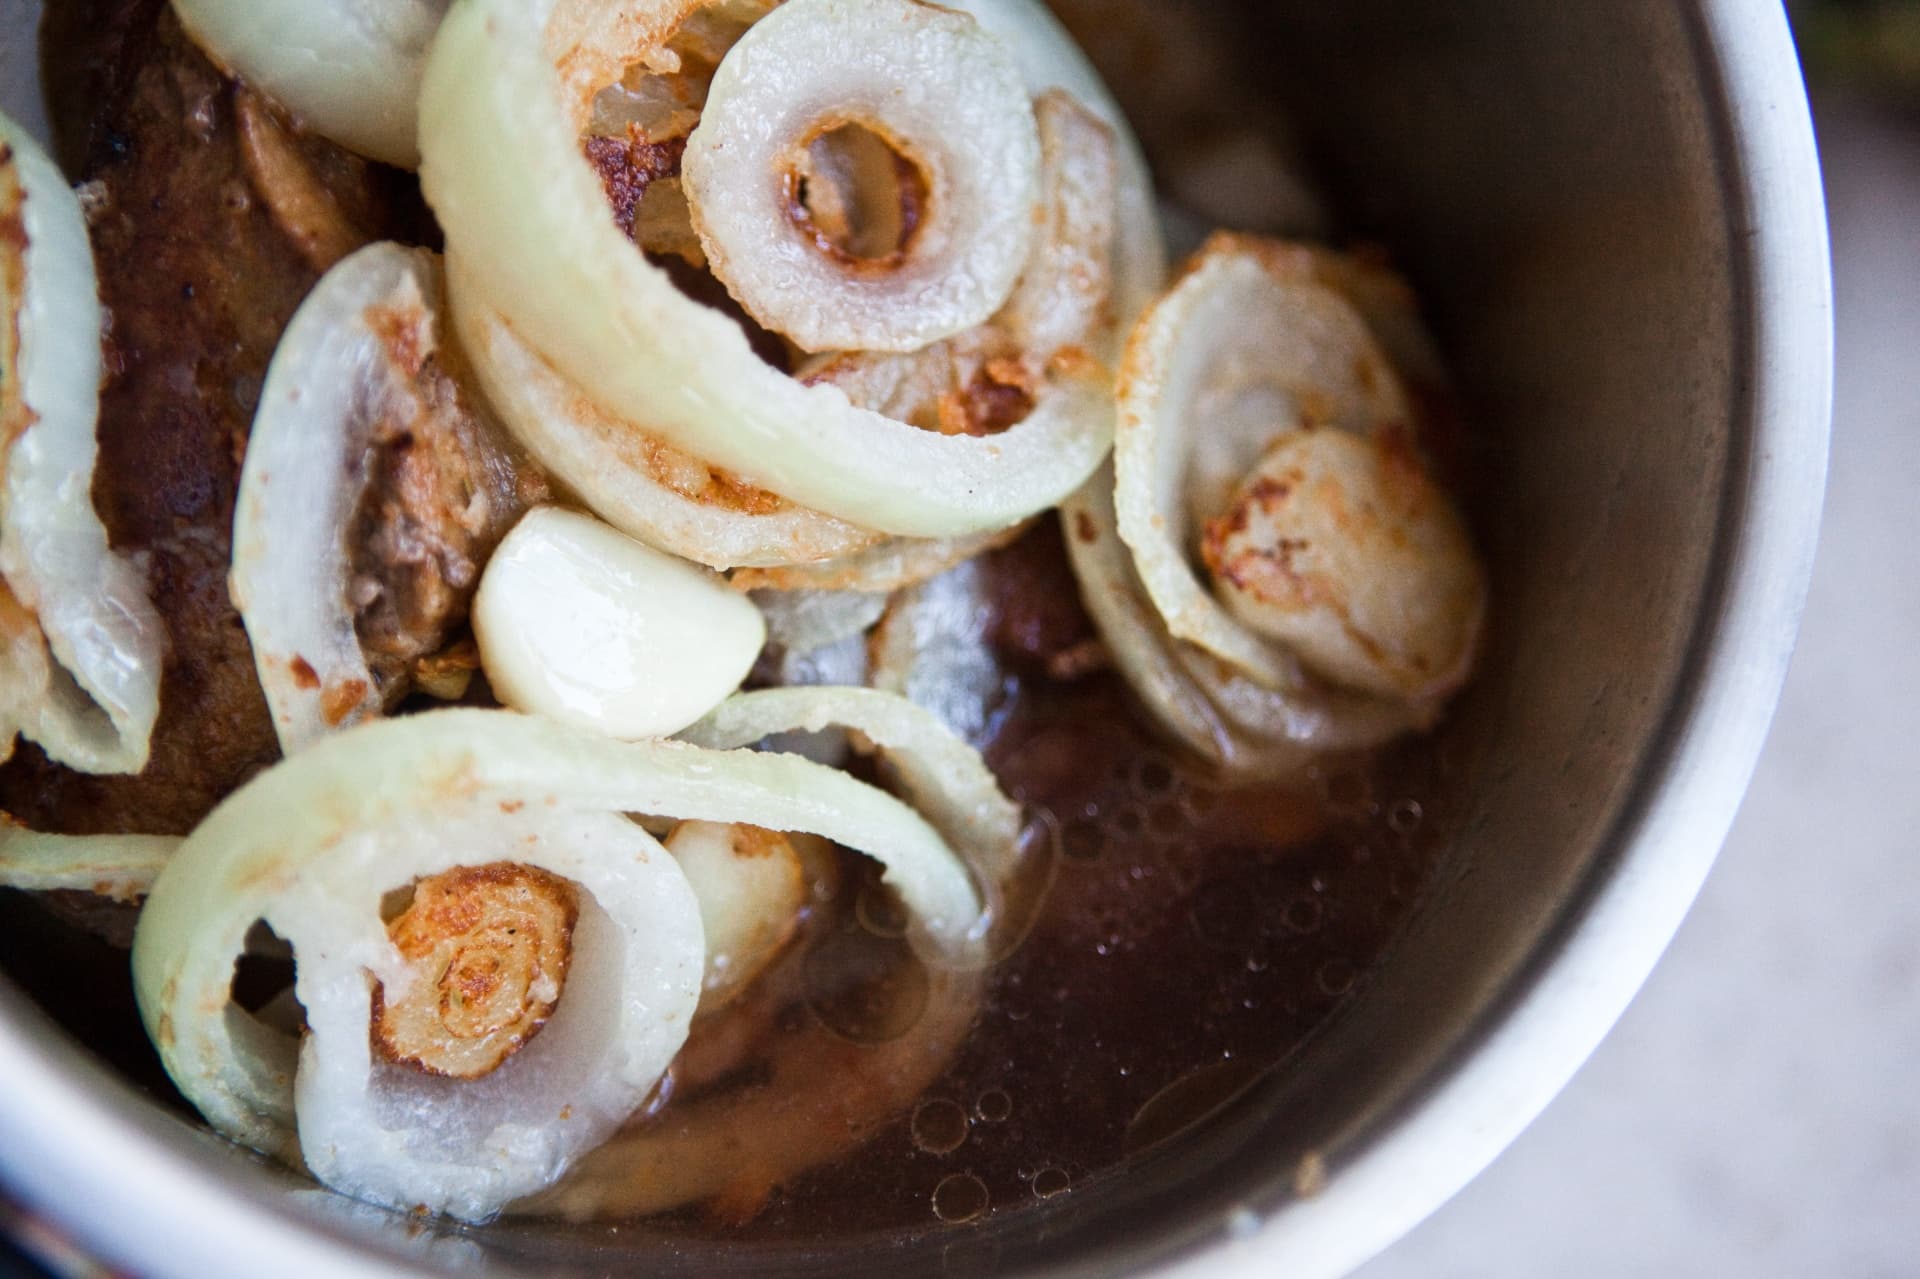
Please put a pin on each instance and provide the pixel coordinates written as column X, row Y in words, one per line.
column 1614, row 212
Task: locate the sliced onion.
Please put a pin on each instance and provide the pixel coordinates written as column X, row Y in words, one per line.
column 311, row 846
column 350, row 69
column 122, row 867
column 1049, row 59
column 1236, row 722
column 892, row 565
column 941, row 92
column 946, row 780
column 633, row 479
column 1066, row 293
column 79, row 627
column 1246, row 347
column 360, row 358
column 528, row 229
column 581, row 623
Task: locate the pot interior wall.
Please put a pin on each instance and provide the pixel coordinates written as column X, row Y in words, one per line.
column 1548, row 176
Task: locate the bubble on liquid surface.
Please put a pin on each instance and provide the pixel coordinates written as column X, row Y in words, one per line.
column 1049, row 1182
column 1404, row 815
column 939, row 1126
column 1335, row 977
column 959, row 1198
column 993, row 1106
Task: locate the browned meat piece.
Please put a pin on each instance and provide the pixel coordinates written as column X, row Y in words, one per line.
column 199, row 276
column 444, row 486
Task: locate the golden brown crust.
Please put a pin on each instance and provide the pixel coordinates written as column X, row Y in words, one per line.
column 487, row 948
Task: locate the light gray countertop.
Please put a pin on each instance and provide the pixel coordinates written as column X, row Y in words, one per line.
column 1757, row 1111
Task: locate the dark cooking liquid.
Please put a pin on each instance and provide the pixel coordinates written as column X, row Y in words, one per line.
column 1194, row 934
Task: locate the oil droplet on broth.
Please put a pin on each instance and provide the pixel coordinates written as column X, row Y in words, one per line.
column 939, row 1126
column 993, row 1106
column 865, row 988
column 1049, row 1182
column 1404, row 815
column 1335, row 977
column 959, row 1198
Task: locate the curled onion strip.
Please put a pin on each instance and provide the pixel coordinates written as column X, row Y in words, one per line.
column 543, row 251
column 78, row 629
column 349, row 68
column 633, row 479
column 947, row 781
column 122, row 867
column 415, row 796
column 1236, row 722
column 332, row 378
column 1049, row 59
column 1247, row 346
column 941, row 92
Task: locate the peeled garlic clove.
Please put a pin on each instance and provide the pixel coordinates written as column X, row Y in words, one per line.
column 348, row 68
column 581, row 623
column 81, row 659
column 1346, row 552
column 751, row 885
column 923, row 82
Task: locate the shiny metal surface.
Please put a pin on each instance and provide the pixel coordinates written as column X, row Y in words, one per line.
column 1614, row 213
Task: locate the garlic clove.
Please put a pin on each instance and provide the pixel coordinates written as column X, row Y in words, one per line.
column 579, row 622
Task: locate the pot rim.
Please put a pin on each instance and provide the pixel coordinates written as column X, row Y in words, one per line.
column 150, row 1203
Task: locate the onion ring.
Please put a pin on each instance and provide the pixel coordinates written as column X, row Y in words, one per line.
column 545, row 254
column 416, row 796
column 939, row 90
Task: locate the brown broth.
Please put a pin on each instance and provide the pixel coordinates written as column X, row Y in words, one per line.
column 1195, row 933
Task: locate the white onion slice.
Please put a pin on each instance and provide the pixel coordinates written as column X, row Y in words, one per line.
column 1236, row 722
column 579, row 622
column 1246, row 347
column 310, row 846
column 940, row 92
column 633, row 479
column 1049, row 59
column 751, row 885
column 122, row 867
column 79, row 630
column 528, row 229
column 332, row 379
column 946, row 780
column 1066, row 290
column 348, row 68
